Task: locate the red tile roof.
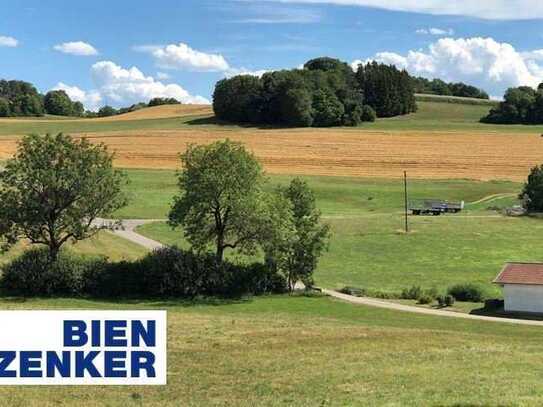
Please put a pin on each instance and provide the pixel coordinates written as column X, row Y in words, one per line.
column 521, row 273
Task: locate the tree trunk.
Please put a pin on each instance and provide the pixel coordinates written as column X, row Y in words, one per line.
column 220, row 248
column 54, row 248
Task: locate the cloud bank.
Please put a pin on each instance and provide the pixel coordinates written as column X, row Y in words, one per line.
column 483, row 62
column 484, row 9
column 120, row 86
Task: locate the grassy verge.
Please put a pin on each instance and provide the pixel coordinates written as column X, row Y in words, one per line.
column 239, row 353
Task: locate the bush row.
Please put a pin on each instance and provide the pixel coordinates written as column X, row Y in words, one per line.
column 459, row 292
column 167, row 272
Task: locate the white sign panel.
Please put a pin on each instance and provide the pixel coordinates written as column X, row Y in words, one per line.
column 83, row 347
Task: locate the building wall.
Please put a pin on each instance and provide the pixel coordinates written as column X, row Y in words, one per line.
column 524, row 298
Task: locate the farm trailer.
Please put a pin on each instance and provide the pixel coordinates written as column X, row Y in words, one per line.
column 434, row 207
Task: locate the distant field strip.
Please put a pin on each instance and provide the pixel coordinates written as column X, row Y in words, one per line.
column 336, row 152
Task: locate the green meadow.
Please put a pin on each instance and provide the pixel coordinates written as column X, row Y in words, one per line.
column 369, row 247
column 300, row 351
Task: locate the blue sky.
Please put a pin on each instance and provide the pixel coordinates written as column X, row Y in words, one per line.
column 120, row 52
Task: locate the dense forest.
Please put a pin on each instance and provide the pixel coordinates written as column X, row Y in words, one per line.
column 326, row 92
column 522, row 105
column 439, row 87
column 19, row 98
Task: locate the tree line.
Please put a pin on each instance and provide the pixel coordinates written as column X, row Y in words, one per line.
column 521, row 105
column 326, row 92
column 19, row 98
column 440, row 87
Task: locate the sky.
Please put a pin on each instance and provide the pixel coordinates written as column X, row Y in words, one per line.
column 120, row 52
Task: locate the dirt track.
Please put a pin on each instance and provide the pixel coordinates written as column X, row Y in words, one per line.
column 339, row 152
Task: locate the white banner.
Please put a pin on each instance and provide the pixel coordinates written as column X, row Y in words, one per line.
column 83, row 347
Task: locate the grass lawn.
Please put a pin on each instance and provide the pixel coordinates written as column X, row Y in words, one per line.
column 316, row 351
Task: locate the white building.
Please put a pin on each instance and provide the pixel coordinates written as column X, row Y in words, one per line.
column 522, row 287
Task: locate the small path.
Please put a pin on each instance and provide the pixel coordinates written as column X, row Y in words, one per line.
column 493, row 197
column 127, row 230
column 427, row 311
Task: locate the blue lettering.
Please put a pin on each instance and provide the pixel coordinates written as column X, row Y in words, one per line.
column 148, row 335
column 95, row 333
column 74, row 333
column 30, row 364
column 115, row 333
column 142, row 360
column 114, row 361
column 83, row 363
column 5, row 360
column 53, row 361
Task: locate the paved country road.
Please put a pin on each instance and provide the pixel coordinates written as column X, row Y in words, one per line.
column 127, row 231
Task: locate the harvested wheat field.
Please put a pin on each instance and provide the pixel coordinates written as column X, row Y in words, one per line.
column 337, row 152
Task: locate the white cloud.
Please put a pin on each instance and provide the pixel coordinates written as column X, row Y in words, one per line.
column 484, row 9
column 78, row 48
column 482, row 62
column 162, row 75
column 181, row 56
column 91, row 100
column 435, row 31
column 119, row 86
column 8, row 41
column 126, row 86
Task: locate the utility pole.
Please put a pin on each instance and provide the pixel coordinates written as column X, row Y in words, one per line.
column 405, row 200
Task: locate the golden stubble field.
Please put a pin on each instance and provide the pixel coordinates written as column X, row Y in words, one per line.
column 338, row 152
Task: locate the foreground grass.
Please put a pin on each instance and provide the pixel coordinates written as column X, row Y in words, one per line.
column 316, row 351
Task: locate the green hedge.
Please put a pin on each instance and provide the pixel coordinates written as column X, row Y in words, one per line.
column 167, row 272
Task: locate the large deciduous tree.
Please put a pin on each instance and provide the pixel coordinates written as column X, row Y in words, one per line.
column 57, row 102
column 221, row 201
column 54, row 188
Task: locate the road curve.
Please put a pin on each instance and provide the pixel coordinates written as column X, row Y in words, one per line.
column 372, row 302
column 127, row 230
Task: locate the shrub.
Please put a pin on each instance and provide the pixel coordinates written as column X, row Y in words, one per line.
column 445, row 300
column 413, row 293
column 113, row 280
column 493, row 304
column 359, row 292
column 449, row 300
column 467, row 292
column 367, row 114
column 33, row 274
column 167, row 272
column 425, row 299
